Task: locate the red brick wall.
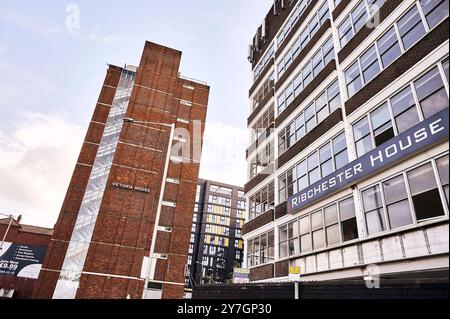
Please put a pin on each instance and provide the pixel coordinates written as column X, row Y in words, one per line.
column 124, row 227
column 23, row 286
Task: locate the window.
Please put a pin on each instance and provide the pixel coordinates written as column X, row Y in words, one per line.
column 349, row 227
column 353, row 79
column 311, row 69
column 379, row 127
column 404, row 110
column 283, row 242
column 424, row 192
column 305, row 235
column 411, row 27
column 319, row 229
column 294, row 248
column 314, row 114
column 271, row 246
column 431, row 93
column 442, row 166
column 389, row 47
column 373, row 209
column 397, row 204
column 382, row 125
column 369, row 64
column 262, row 201
column 320, row 163
column 357, row 19
column 263, row 249
column 332, row 231
column 318, row 234
column 435, row 11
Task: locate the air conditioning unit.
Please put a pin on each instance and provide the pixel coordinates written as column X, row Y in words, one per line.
column 264, row 29
column 257, row 42
column 250, row 56
column 6, row 293
column 275, row 9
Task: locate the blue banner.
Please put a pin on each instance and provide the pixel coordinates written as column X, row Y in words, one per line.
column 423, row 136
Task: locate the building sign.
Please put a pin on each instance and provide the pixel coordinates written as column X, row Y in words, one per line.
column 21, row 260
column 294, row 273
column 422, row 136
column 241, row 276
column 129, row 187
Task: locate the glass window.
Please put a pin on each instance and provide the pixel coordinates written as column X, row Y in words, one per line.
column 294, row 248
column 348, row 219
column 340, row 151
column 359, row 16
column 442, row 165
column 317, row 62
column 411, row 27
column 345, row 31
column 369, row 64
column 363, row 138
column 310, row 114
column 317, row 229
column 334, row 96
column 425, row 194
column 307, row 74
column 382, row 125
column 435, row 11
column 332, row 227
column 328, row 51
column 283, row 242
column 373, row 208
column 446, row 70
column 389, row 47
column 322, row 107
column 431, row 93
column 397, row 203
column 305, row 237
column 353, row 79
column 404, row 110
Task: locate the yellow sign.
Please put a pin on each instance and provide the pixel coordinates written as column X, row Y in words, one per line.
column 294, row 270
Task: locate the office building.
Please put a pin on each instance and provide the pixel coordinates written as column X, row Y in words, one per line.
column 124, row 227
column 216, row 244
column 348, row 159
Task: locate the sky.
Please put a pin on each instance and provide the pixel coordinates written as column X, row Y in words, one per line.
column 52, row 75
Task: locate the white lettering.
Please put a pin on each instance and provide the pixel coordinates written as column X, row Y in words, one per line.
column 374, row 159
column 394, row 150
column 348, row 173
column 403, row 147
column 358, row 168
column 332, row 182
column 294, row 202
column 435, row 127
column 420, row 135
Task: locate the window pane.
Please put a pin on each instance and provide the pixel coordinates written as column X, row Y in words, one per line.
column 349, row 229
column 333, row 235
column 318, row 239
column 327, row 168
column 407, row 119
column 341, row 159
column 283, row 233
column 325, row 153
column 426, row 199
column 313, row 161
column 345, row 31
column 347, row 209
column 339, row 143
column 369, row 64
column 431, row 93
column 359, row 16
column 375, row 221
column 445, row 64
column 283, row 250
column 372, row 198
column 353, row 79
column 422, row 179
column 399, row 214
column 293, row 230
column 394, row 189
column 331, row 216
column 316, row 221
column 442, row 165
column 294, row 247
column 304, row 225
column 411, row 27
column 389, row 47
column 305, row 243
column 435, row 11
column 361, row 129
column 404, row 109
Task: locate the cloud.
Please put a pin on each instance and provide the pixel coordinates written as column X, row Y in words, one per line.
column 223, row 156
column 37, row 159
column 39, row 28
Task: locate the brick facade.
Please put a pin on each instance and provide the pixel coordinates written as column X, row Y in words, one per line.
column 124, row 226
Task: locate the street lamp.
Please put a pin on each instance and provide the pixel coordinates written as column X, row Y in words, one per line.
column 150, row 271
column 11, row 218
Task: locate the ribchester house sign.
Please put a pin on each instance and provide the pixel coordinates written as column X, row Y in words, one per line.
column 424, row 135
column 131, row 188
